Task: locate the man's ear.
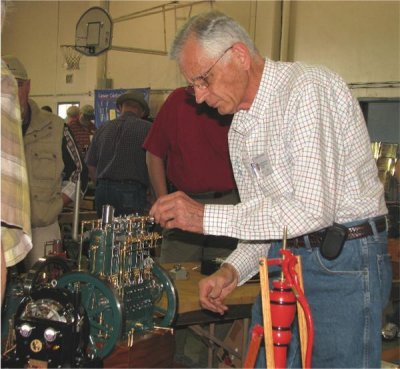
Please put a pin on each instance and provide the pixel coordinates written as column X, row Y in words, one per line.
column 242, row 54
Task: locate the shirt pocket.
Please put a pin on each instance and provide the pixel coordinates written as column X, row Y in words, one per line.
column 46, row 205
column 44, row 165
column 277, row 183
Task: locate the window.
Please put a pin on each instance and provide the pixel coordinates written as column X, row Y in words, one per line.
column 63, row 107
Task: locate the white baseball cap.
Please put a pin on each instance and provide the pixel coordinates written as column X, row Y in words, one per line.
column 16, row 67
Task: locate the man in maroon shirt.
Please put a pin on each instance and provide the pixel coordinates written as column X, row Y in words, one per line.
column 187, row 150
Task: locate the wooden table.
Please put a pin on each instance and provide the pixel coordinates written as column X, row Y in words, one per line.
column 190, row 313
column 188, row 291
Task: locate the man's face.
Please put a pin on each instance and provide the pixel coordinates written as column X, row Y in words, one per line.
column 220, row 81
column 73, row 119
column 24, row 87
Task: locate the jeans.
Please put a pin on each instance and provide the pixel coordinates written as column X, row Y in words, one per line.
column 347, row 296
column 126, row 198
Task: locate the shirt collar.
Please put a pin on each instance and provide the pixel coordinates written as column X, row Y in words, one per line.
column 245, row 120
column 130, row 113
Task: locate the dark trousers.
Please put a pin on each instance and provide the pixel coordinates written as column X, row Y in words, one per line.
column 125, row 198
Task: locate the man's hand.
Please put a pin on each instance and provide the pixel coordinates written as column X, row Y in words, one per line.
column 214, row 289
column 178, row 210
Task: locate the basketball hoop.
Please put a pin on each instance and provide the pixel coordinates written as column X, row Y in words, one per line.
column 93, row 33
column 71, row 57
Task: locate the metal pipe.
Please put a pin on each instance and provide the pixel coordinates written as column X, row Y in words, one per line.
column 89, row 93
column 103, row 58
column 138, row 50
column 75, row 223
column 285, row 30
column 158, row 9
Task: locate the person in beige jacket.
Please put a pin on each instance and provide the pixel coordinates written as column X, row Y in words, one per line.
column 53, row 161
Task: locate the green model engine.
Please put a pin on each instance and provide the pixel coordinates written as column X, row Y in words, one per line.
column 121, row 290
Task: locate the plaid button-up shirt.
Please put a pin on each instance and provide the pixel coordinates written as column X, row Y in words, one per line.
column 15, row 205
column 301, row 157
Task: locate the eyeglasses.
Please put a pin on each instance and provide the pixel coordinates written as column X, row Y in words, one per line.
column 201, row 82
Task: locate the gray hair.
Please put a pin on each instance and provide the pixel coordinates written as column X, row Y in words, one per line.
column 215, row 32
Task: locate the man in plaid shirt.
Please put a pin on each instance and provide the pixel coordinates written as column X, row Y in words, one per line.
column 301, row 156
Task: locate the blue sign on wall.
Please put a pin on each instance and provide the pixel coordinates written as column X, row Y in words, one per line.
column 105, row 103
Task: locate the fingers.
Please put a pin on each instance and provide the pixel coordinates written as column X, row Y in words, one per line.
column 212, row 294
column 177, row 210
column 163, row 209
column 215, row 306
column 213, row 302
column 166, row 219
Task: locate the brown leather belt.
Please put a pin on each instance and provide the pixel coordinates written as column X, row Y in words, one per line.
column 209, row 195
column 358, row 231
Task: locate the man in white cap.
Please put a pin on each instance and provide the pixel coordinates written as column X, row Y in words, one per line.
column 53, row 163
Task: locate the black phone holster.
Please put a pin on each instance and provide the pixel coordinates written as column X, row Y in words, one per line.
column 333, row 241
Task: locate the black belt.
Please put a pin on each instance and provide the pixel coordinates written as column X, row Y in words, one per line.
column 358, row 231
column 209, row 195
column 121, row 181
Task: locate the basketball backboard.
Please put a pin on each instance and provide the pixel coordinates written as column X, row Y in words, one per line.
column 93, row 33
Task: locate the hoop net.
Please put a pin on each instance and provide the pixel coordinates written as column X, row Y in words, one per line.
column 71, row 57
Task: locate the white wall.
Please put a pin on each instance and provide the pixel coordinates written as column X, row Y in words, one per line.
column 357, row 39
column 360, row 40
column 34, row 31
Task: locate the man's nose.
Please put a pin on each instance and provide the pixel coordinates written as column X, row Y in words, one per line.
column 200, row 95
